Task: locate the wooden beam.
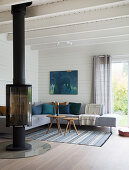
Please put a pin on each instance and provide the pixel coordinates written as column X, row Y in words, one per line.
column 86, row 17
column 66, row 7
column 80, row 35
column 55, row 9
column 73, row 29
column 12, row 2
column 71, row 18
column 82, row 42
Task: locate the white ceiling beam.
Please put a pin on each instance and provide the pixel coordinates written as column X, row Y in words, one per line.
column 12, row 2
column 65, row 7
column 82, row 42
column 61, row 8
column 5, row 5
column 89, row 16
column 116, row 51
column 74, row 18
column 35, row 2
column 36, row 9
column 86, row 44
column 73, row 29
column 80, row 35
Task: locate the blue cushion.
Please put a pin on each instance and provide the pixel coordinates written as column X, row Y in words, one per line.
column 64, row 109
column 48, row 109
column 36, row 110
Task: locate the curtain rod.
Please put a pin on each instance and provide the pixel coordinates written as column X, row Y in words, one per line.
column 102, row 55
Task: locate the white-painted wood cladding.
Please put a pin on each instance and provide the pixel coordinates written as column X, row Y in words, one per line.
column 6, row 68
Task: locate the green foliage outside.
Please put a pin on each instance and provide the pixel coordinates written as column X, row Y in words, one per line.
column 120, row 88
column 121, row 100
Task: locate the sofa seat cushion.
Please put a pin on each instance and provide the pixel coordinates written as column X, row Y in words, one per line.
column 70, row 115
column 110, row 120
column 38, row 120
column 2, row 117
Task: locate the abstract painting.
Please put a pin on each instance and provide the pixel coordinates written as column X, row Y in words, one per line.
column 64, row 82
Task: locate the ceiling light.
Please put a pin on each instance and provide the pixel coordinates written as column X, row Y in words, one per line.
column 69, row 43
column 58, row 43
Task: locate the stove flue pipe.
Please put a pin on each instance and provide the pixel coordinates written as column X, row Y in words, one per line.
column 18, row 12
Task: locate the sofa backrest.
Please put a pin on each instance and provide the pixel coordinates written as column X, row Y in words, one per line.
column 82, row 109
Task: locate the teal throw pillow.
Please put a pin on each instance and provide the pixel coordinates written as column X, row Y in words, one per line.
column 36, row 110
column 64, row 109
column 75, row 108
column 48, row 109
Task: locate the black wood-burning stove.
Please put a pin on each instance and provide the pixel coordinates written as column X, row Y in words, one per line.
column 18, row 95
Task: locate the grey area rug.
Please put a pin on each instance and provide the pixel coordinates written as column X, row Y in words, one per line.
column 85, row 137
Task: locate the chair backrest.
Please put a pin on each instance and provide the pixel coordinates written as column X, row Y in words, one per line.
column 3, row 110
column 93, row 109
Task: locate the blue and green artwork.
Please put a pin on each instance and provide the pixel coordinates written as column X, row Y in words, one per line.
column 64, row 82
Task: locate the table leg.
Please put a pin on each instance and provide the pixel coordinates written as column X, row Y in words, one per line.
column 50, row 125
column 75, row 127
column 59, row 126
column 69, row 126
column 66, row 127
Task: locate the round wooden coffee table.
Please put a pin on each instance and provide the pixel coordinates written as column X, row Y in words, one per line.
column 57, row 121
column 69, row 120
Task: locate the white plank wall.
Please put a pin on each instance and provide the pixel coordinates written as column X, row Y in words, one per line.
column 76, row 58
column 6, row 68
column 32, row 71
column 61, row 60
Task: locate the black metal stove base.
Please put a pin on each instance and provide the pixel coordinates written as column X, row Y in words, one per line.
column 18, row 140
column 12, row 148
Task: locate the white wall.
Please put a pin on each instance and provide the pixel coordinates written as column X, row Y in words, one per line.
column 32, row 71
column 65, row 59
column 75, row 58
column 6, row 68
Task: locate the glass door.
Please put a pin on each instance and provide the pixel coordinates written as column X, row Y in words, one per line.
column 120, row 100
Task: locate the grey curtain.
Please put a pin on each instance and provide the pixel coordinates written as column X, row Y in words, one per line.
column 102, row 81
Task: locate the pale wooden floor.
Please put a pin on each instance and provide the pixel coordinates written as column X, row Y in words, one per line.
column 113, row 155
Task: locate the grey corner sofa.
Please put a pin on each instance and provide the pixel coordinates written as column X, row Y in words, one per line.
column 108, row 120
column 103, row 120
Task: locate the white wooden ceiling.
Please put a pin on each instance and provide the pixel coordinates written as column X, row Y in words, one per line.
column 64, row 23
